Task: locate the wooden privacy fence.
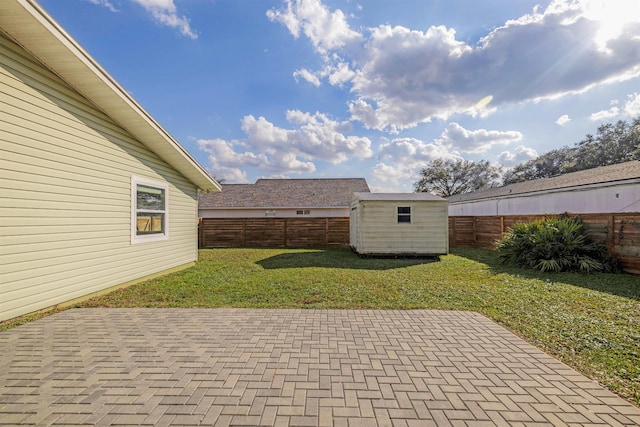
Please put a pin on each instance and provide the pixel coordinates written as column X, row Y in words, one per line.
column 294, row 232
column 620, row 232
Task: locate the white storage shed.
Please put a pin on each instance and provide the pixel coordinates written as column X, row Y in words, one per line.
column 399, row 224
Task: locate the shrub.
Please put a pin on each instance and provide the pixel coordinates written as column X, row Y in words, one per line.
column 553, row 244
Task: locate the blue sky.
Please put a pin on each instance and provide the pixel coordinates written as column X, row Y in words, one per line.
column 366, row 88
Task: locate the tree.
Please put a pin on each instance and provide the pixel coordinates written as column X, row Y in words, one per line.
column 633, row 139
column 550, row 164
column 613, row 143
column 447, row 177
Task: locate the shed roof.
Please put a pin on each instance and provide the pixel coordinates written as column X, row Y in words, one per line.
column 29, row 25
column 399, row 197
column 605, row 174
column 285, row 193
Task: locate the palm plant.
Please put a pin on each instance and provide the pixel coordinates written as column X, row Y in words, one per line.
column 553, row 244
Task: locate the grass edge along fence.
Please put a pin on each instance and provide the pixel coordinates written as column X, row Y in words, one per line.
column 619, row 231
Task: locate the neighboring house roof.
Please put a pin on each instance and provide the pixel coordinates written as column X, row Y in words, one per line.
column 589, row 177
column 25, row 22
column 285, row 193
column 399, row 197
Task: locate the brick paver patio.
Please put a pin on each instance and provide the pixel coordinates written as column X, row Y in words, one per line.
column 289, row 368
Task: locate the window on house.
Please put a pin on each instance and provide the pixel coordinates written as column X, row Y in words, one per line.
column 150, row 210
column 404, row 214
column 303, row 212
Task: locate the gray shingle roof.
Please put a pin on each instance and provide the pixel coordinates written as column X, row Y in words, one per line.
column 285, row 193
column 603, row 174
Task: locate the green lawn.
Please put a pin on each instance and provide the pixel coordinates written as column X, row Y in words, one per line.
column 590, row 322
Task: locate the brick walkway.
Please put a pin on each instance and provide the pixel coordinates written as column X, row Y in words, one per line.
column 289, row 368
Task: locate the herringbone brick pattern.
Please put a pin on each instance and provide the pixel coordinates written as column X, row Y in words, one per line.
column 245, row 367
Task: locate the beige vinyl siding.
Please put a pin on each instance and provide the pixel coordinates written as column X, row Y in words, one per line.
column 378, row 230
column 354, row 220
column 65, row 197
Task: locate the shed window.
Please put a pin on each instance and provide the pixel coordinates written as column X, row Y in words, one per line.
column 149, row 201
column 404, row 214
column 303, row 212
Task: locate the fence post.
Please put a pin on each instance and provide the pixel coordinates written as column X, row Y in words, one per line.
column 284, row 234
column 326, row 231
column 473, row 228
column 453, row 232
column 611, row 225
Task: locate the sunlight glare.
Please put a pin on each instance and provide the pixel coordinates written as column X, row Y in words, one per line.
column 613, row 16
column 483, row 102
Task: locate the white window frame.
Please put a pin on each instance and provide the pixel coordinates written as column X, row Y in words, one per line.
column 404, row 214
column 144, row 238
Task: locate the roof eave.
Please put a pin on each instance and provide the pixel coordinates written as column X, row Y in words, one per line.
column 551, row 190
column 224, row 208
column 30, row 26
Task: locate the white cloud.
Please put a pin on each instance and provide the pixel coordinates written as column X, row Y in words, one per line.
column 475, row 141
column 612, row 14
column 371, row 117
column 392, row 179
column 105, row 3
column 327, row 30
column 402, row 77
column 563, row 120
column 226, row 162
column 308, row 76
column 605, row 114
column 481, row 108
column 164, row 12
column 520, row 154
column 632, row 106
column 276, row 150
column 401, row 159
column 400, row 81
column 412, row 151
column 340, row 73
column 337, row 74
